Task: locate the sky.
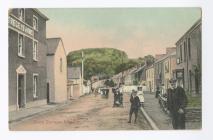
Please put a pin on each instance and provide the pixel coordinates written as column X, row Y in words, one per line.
column 137, row 31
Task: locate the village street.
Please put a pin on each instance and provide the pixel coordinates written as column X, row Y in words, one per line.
column 87, row 113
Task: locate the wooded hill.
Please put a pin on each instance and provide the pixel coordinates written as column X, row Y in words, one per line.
column 103, row 62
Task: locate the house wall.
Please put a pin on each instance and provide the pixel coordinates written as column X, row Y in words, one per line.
column 171, row 61
column 150, row 82
column 50, row 77
column 60, row 76
column 31, row 66
column 188, row 63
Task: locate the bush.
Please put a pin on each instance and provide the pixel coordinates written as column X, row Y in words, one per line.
column 194, row 101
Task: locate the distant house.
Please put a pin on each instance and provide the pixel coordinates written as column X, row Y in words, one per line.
column 74, row 82
column 140, row 74
column 129, row 77
column 150, row 78
column 56, row 70
column 164, row 68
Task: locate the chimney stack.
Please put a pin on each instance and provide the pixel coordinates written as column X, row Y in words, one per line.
column 170, row 50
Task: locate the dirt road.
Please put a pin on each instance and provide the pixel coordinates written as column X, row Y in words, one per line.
column 87, row 113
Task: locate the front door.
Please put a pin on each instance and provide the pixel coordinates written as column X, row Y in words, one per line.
column 21, row 90
column 48, row 93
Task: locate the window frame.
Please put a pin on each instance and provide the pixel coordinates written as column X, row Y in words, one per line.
column 35, row 27
column 181, row 53
column 35, row 53
column 35, row 91
column 189, row 47
column 61, row 65
column 22, row 54
column 22, row 18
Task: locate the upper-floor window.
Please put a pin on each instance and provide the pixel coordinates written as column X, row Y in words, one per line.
column 185, row 51
column 61, row 64
column 20, row 45
column 35, row 50
column 181, row 55
column 166, row 67
column 21, row 14
column 35, row 23
column 189, row 48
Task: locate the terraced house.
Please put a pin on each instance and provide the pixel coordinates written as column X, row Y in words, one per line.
column 189, row 50
column 27, row 58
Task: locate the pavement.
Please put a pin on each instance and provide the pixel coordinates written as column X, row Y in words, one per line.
column 160, row 118
column 27, row 113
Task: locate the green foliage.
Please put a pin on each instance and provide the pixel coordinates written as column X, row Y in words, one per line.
column 149, row 59
column 98, row 61
column 104, row 62
column 194, row 101
column 135, row 82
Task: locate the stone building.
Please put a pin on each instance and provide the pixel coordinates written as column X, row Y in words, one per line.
column 56, row 71
column 27, row 58
column 164, row 68
column 189, row 50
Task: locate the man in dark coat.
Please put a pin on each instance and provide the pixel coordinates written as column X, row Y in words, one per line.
column 177, row 101
column 135, row 104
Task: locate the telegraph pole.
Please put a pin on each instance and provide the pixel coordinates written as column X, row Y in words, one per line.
column 82, row 72
column 122, row 76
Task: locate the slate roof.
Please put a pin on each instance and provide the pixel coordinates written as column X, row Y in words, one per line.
column 74, row 72
column 167, row 55
column 139, row 69
column 52, row 44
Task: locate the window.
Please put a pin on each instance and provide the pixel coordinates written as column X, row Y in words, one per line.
column 61, row 64
column 185, row 51
column 35, row 85
column 20, row 45
column 181, row 56
column 190, row 80
column 35, row 50
column 21, row 14
column 189, row 48
column 35, row 23
column 166, row 66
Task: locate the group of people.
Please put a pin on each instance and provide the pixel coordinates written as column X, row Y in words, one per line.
column 118, row 97
column 176, row 103
column 134, row 100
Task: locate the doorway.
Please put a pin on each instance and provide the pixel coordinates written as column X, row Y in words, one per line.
column 48, row 92
column 21, row 86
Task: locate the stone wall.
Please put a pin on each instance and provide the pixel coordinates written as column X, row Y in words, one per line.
column 193, row 115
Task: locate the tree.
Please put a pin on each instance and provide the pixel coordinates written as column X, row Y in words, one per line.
column 149, row 59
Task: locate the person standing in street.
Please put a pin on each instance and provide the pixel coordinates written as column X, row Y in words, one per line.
column 157, row 92
column 177, row 101
column 135, row 105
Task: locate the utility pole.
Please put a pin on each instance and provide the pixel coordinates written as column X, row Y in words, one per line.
column 122, row 77
column 82, row 72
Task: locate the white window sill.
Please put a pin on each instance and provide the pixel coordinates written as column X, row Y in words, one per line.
column 35, row 29
column 20, row 55
column 35, row 97
column 36, row 60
